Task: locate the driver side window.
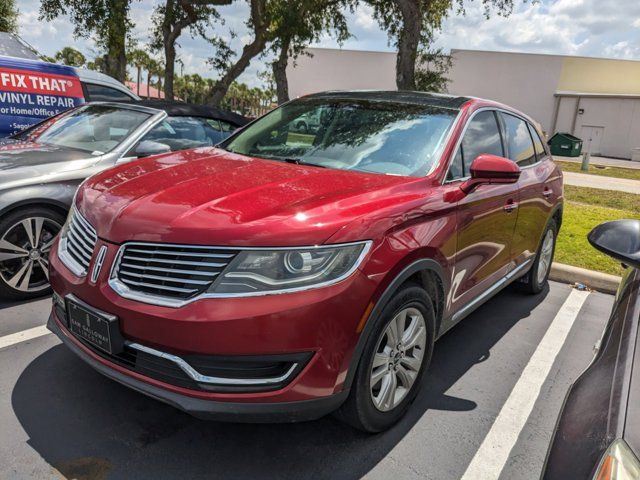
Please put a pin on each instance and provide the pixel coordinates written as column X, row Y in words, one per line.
column 481, row 136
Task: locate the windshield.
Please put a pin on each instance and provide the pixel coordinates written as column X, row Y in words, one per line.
column 93, row 128
column 378, row 137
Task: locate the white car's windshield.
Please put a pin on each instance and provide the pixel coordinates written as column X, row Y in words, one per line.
column 92, row 128
column 378, row 137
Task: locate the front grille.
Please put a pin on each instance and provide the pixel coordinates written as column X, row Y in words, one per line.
column 173, row 271
column 79, row 242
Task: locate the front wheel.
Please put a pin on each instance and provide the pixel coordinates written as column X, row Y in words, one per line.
column 539, row 273
column 26, row 237
column 394, row 360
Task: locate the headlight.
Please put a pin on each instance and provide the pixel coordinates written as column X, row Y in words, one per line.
column 264, row 271
column 618, row 463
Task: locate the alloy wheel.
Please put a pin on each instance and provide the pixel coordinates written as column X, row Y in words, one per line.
column 546, row 255
column 24, row 253
column 398, row 359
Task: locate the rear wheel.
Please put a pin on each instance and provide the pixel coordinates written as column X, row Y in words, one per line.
column 539, row 273
column 26, row 237
column 393, row 363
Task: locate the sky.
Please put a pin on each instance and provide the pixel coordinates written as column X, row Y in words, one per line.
column 596, row 28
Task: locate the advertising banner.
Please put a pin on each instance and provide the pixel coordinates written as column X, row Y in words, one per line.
column 31, row 91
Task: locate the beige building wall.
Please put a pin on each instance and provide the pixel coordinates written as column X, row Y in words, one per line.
column 332, row 69
column 526, row 82
column 554, row 90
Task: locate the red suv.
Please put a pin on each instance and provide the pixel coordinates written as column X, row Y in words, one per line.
column 289, row 273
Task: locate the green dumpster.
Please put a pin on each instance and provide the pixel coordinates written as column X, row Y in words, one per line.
column 565, row 145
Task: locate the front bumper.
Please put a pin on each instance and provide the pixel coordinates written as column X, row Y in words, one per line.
column 205, row 409
column 321, row 323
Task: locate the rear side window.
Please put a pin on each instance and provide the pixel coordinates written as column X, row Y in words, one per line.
column 180, row 133
column 537, row 143
column 482, row 136
column 100, row 93
column 518, row 139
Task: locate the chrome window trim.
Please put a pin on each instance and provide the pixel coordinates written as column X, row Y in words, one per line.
column 124, row 291
column 199, row 378
column 464, row 131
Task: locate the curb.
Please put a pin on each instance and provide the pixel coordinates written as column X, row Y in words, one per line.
column 602, row 282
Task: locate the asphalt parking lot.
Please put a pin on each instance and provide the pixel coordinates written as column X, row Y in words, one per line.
column 60, row 419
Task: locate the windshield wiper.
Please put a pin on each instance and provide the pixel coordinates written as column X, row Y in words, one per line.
column 295, row 161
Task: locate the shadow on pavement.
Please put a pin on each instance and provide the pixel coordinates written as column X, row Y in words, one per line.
column 87, row 426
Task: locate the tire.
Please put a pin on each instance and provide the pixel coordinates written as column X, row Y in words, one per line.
column 535, row 281
column 23, row 265
column 362, row 410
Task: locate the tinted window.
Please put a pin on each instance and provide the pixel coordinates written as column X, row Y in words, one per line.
column 350, row 134
column 456, row 169
column 100, row 93
column 519, row 145
column 537, row 143
column 180, row 133
column 482, row 136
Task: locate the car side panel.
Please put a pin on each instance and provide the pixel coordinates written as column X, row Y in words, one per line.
column 540, row 191
column 485, row 233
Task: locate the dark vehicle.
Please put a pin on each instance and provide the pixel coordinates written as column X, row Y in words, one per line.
column 41, row 168
column 598, row 432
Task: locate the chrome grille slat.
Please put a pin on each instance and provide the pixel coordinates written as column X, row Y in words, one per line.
column 160, row 287
column 202, row 273
column 83, row 242
column 184, row 254
column 170, row 271
column 78, row 252
column 77, row 248
column 166, row 279
column 86, row 236
column 171, row 262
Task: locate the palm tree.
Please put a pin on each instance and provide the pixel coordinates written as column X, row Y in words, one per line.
column 70, row 56
column 138, row 59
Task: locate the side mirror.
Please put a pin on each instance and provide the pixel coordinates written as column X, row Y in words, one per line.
column 490, row 169
column 147, row 148
column 619, row 239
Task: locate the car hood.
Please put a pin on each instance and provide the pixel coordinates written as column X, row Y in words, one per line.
column 209, row 196
column 17, row 154
column 27, row 162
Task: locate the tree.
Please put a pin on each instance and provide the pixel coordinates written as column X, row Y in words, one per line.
column 70, row 56
column 259, row 24
column 296, row 24
column 8, row 16
column 411, row 24
column 108, row 20
column 170, row 19
column 138, row 59
column 431, row 70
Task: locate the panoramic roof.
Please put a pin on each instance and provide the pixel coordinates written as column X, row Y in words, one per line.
column 416, row 98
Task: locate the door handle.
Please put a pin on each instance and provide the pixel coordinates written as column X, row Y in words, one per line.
column 547, row 193
column 510, row 206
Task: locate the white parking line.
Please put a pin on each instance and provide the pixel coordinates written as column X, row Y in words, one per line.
column 489, row 460
column 23, row 336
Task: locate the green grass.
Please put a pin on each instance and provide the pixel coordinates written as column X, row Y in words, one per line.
column 615, row 172
column 603, row 198
column 584, row 209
